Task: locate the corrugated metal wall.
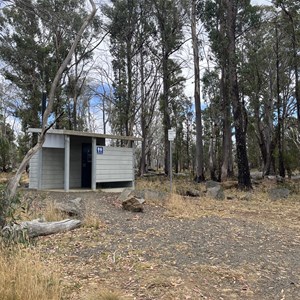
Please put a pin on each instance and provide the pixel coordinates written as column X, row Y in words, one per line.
column 114, row 164
column 34, row 171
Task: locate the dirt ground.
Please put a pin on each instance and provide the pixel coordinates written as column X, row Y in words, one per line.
column 233, row 250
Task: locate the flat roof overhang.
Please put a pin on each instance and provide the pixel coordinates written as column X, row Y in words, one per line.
column 86, row 134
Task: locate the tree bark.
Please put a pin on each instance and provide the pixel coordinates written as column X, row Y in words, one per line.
column 13, row 183
column 279, row 132
column 199, row 142
column 239, row 112
column 165, row 111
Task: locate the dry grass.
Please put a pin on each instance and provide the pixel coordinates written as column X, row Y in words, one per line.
column 258, row 208
column 180, row 207
column 23, row 276
column 91, row 220
column 51, row 213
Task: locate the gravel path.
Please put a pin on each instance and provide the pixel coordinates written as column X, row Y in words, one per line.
column 217, row 258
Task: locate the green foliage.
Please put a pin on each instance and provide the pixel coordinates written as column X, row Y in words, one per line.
column 35, row 38
column 5, row 153
column 7, row 147
column 10, row 210
column 8, row 207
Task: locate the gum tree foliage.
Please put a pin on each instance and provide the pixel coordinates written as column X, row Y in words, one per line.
column 123, row 25
column 35, row 38
column 169, row 17
column 226, row 22
column 10, row 191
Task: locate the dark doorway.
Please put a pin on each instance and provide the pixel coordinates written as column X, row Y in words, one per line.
column 86, row 167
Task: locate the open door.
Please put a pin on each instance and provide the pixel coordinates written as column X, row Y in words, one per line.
column 86, row 167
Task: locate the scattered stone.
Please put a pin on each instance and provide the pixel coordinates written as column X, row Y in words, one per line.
column 155, row 195
column 132, row 204
column 72, row 207
column 279, row 179
column 132, row 200
column 279, row 193
column 216, row 192
column 211, row 184
column 193, row 193
column 125, row 194
column 256, row 175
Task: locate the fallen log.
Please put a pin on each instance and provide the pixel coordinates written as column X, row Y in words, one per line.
column 39, row 227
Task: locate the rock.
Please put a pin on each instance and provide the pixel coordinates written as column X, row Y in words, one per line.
column 230, row 197
column 278, row 193
column 193, row 193
column 216, row 192
column 132, row 204
column 279, row 179
column 132, row 193
column 211, row 184
column 132, row 200
column 256, row 175
column 125, row 194
column 71, row 207
column 155, row 195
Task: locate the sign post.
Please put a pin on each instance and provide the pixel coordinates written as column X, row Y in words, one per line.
column 171, row 137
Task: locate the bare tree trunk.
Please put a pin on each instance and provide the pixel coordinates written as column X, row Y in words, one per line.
column 295, row 58
column 212, row 153
column 143, row 121
column 165, row 111
column 199, row 142
column 280, row 135
column 13, row 183
column 239, row 112
column 227, row 167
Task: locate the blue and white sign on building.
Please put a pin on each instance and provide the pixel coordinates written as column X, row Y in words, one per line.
column 99, row 150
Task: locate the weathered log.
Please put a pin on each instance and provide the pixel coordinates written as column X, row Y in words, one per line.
column 38, row 227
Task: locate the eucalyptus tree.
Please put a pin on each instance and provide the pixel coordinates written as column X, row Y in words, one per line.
column 169, row 20
column 85, row 22
column 258, row 83
column 36, row 37
column 123, row 22
column 213, row 16
column 290, row 25
column 212, row 121
column 226, row 21
column 195, row 44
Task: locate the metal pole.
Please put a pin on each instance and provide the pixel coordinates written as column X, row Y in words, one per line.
column 171, row 167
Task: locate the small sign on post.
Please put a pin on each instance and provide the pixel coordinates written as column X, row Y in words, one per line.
column 171, row 138
column 171, row 134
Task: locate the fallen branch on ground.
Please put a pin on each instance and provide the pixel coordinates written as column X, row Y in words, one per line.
column 38, row 227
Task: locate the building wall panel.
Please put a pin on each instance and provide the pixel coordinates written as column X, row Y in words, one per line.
column 115, row 164
column 33, row 171
column 53, row 168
